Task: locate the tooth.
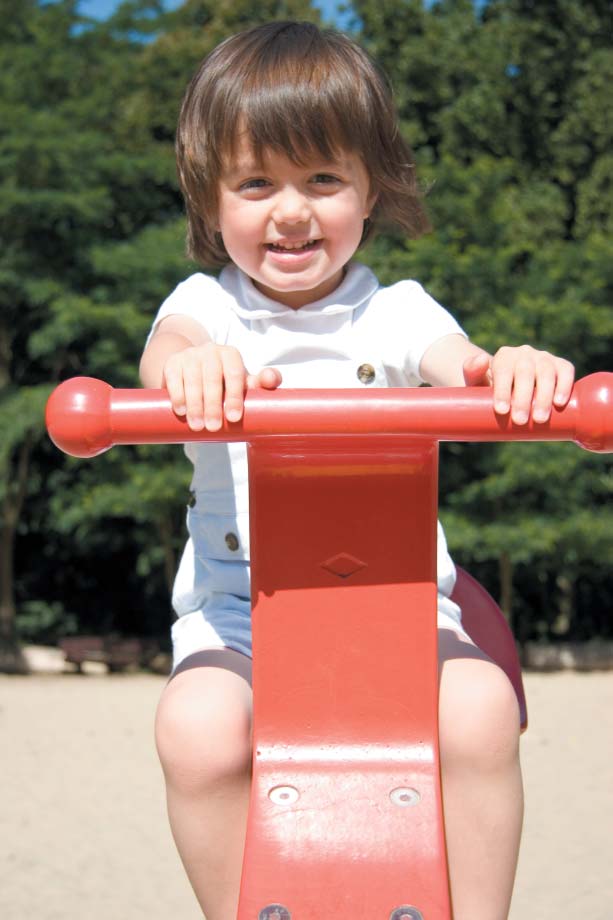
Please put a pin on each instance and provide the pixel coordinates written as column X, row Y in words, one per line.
column 291, row 247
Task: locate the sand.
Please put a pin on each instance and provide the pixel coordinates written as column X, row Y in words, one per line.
column 83, row 830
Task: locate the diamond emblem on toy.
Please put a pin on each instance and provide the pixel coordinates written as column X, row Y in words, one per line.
column 344, row 565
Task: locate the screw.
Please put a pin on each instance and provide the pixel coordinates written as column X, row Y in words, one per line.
column 274, row 912
column 406, row 913
column 284, row 795
column 404, row 797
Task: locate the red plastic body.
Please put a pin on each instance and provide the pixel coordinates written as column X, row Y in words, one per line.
column 345, row 816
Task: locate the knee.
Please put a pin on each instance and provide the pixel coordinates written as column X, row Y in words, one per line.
column 202, row 743
column 479, row 718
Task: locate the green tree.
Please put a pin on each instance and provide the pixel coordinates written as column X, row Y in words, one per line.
column 92, row 240
column 507, row 108
column 81, row 174
column 46, row 191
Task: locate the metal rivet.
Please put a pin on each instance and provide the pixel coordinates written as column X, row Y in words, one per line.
column 274, row 912
column 231, row 541
column 406, row 913
column 404, row 796
column 284, row 795
column 366, row 373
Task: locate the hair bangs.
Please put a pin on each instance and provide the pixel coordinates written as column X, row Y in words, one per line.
column 294, row 107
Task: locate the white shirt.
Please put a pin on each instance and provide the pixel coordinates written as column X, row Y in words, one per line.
column 321, row 345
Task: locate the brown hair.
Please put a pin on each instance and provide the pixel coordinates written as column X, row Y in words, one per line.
column 300, row 91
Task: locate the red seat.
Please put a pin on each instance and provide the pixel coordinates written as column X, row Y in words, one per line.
column 487, row 627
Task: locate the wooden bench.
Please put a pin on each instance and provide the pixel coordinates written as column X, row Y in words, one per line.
column 115, row 652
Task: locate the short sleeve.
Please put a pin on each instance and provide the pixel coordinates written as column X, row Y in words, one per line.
column 416, row 320
column 202, row 298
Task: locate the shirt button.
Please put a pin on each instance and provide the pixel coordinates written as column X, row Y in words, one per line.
column 366, row 373
column 231, row 541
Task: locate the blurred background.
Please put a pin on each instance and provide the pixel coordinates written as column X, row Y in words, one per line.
column 507, row 105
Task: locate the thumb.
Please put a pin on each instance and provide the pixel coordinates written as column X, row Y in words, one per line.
column 269, row 378
column 477, row 370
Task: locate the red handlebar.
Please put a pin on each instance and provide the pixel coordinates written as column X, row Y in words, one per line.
column 85, row 416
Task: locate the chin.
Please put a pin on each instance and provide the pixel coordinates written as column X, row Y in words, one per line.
column 287, row 285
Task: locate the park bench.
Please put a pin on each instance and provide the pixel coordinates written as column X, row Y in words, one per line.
column 115, row 652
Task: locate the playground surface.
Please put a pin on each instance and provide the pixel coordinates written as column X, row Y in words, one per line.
column 83, row 830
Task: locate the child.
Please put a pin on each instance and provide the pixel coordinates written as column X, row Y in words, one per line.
column 289, row 155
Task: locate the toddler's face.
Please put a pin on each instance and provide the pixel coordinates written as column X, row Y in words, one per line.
column 293, row 228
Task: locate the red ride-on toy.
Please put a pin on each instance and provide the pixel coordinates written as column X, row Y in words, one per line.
column 345, row 817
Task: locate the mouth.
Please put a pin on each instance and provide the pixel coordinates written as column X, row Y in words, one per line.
column 293, row 247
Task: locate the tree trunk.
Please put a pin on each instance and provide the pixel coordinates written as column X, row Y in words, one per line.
column 566, row 605
column 12, row 660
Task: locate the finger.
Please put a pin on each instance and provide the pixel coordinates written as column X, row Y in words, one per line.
column 193, row 386
column 173, row 382
column 524, row 379
column 564, row 382
column 213, row 389
column 234, row 376
column 502, row 380
column 545, row 387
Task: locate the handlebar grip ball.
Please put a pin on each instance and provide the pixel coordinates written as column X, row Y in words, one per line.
column 78, row 416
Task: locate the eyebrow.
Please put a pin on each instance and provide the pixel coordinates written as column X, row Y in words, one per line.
column 241, row 167
column 245, row 166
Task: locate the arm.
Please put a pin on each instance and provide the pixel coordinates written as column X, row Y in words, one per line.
column 204, row 381
column 525, row 381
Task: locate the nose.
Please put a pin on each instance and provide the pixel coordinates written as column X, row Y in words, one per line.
column 291, row 206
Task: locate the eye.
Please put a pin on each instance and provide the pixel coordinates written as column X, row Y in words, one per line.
column 253, row 184
column 324, row 179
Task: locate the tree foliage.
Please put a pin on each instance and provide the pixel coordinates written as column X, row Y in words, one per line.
column 92, row 240
column 507, row 108
column 507, row 105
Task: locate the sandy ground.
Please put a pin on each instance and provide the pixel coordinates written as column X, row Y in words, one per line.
column 83, row 831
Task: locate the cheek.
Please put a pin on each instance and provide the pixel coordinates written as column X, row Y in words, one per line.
column 238, row 225
column 347, row 219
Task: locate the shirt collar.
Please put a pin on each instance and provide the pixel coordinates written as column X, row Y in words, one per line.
column 249, row 303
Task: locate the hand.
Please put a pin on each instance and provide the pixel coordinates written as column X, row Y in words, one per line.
column 207, row 382
column 525, row 381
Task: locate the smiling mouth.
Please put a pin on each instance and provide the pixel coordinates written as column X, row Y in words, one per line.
column 292, row 247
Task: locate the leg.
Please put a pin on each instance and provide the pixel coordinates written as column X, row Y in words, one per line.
column 203, row 736
column 481, row 779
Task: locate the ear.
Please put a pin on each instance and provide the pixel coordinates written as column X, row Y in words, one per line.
column 370, row 203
